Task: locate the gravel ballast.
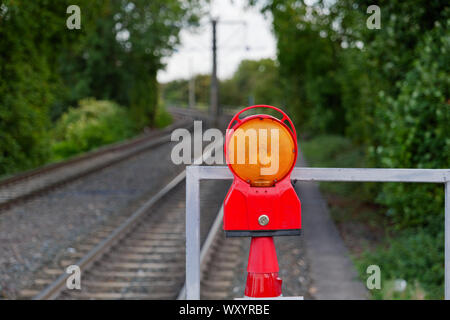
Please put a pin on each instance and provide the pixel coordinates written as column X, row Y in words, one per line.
column 32, row 233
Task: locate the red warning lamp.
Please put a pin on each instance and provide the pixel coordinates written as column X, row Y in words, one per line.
column 261, row 152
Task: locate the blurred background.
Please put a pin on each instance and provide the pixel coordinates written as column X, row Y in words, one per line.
column 359, row 96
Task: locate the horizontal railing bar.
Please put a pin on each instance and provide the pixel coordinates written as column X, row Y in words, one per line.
column 344, row 174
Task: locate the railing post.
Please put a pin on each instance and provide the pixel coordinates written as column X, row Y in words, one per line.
column 192, row 233
column 447, row 240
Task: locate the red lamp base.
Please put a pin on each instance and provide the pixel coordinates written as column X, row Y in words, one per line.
column 262, row 277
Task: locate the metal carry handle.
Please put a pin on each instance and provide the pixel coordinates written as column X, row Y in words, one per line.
column 283, row 119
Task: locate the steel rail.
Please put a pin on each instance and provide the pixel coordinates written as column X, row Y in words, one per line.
column 128, row 148
column 55, row 288
column 88, row 155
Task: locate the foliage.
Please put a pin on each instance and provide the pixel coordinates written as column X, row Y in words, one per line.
column 308, row 63
column 122, row 57
column 93, row 124
column 254, row 82
column 29, row 34
column 392, row 289
column 162, row 117
column 337, row 151
column 44, row 67
column 385, row 89
column 332, row 150
column 415, row 256
column 176, row 92
column 416, row 133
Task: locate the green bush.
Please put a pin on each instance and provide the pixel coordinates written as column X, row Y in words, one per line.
column 93, row 124
column 415, row 256
column 415, row 132
column 162, row 117
column 411, row 120
column 391, row 291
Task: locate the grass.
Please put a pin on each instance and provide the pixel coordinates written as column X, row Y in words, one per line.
column 336, row 151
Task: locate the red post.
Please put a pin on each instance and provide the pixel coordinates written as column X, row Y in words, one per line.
column 262, row 277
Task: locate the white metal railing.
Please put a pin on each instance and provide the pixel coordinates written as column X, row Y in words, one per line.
column 196, row 173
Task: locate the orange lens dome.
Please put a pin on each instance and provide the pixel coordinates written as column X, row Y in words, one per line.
column 261, row 151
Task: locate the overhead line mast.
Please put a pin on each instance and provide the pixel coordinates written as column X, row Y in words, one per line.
column 214, row 105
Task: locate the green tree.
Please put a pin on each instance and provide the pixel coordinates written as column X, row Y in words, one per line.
column 308, row 62
column 44, row 67
column 176, row 92
column 121, row 59
column 254, row 82
column 416, row 133
column 29, row 83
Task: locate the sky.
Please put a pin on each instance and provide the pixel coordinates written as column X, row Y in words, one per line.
column 242, row 33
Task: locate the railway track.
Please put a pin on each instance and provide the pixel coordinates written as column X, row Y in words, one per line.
column 36, row 182
column 136, row 255
column 143, row 256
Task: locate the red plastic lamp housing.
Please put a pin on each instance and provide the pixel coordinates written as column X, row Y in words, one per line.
column 261, row 152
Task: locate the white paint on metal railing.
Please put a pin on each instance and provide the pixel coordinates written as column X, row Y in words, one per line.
column 192, row 233
column 204, row 252
column 196, row 173
column 345, row 174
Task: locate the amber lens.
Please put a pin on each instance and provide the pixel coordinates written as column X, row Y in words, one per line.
column 261, row 151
